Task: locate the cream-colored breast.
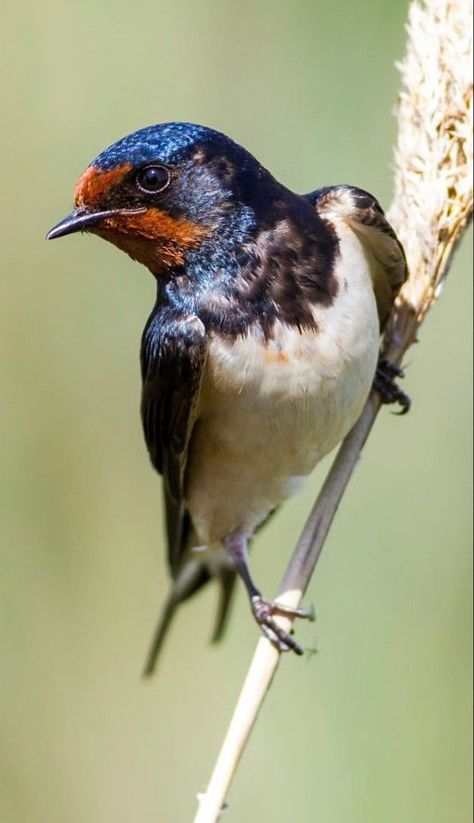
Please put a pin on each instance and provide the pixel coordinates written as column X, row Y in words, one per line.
column 270, row 410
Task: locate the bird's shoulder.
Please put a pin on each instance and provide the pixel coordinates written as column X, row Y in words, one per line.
column 359, row 211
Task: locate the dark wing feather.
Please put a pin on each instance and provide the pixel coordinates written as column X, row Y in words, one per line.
column 173, row 355
column 364, row 215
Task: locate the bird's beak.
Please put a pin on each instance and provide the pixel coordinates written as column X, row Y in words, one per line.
column 79, row 220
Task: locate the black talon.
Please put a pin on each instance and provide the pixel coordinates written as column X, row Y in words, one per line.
column 385, row 383
column 263, row 611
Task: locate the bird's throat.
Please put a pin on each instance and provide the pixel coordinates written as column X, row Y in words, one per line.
column 154, row 238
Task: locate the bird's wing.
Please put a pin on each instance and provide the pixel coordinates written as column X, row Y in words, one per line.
column 173, row 355
column 363, row 214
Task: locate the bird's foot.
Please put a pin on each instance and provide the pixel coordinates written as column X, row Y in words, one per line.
column 385, row 383
column 265, row 611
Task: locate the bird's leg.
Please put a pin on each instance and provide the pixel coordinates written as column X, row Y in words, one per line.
column 263, row 610
column 385, row 383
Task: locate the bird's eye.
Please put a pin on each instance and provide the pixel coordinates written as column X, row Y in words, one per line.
column 153, row 179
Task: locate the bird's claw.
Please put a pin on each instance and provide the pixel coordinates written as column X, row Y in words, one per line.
column 264, row 610
column 385, row 383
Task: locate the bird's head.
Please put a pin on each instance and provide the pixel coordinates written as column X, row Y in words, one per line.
column 163, row 191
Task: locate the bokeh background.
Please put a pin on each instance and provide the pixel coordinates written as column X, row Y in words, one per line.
column 376, row 725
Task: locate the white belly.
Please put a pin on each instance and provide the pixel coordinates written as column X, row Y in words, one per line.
column 270, row 411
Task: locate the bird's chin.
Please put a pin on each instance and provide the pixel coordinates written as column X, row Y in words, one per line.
column 155, row 238
column 143, row 250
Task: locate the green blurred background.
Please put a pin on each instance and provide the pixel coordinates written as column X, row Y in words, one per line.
column 376, row 726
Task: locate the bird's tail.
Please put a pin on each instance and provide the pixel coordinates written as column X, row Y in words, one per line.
column 227, row 579
column 164, row 622
column 192, row 577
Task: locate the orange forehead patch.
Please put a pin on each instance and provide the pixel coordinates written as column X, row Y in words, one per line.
column 94, row 183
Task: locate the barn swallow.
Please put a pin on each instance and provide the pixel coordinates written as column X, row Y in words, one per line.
column 263, row 344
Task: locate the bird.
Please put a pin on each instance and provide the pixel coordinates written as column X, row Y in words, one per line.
column 262, row 346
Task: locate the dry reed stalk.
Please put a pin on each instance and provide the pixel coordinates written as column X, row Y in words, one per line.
column 431, row 210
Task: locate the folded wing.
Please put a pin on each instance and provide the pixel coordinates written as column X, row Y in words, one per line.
column 363, row 214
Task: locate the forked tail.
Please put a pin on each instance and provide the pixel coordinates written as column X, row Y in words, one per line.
column 191, row 577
